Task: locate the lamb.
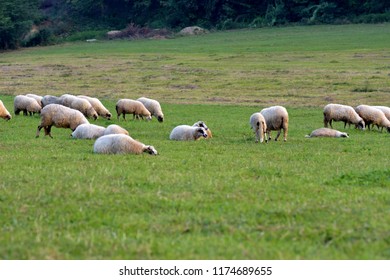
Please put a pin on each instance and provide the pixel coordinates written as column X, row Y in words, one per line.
column 4, row 114
column 276, row 118
column 202, row 124
column 153, row 107
column 59, row 116
column 115, row 129
column 187, row 133
column 26, row 104
column 50, row 99
column 327, row 132
column 373, row 116
column 36, row 97
column 88, row 131
column 130, row 106
column 121, row 144
column 344, row 113
column 98, row 106
column 259, row 127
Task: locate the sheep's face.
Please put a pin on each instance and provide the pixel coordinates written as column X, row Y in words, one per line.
column 95, row 116
column 148, row 118
column 388, row 129
column 201, row 132
column 361, row 125
column 150, row 150
column 108, row 116
column 346, row 135
column 160, row 118
column 201, row 124
column 7, row 117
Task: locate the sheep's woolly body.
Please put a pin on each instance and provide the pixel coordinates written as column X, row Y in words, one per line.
column 98, row 106
column 344, row 113
column 130, row 106
column 121, row 144
column 115, row 129
column 187, row 133
column 203, row 124
column 276, row 118
column 259, row 126
column 153, row 107
column 26, row 104
column 373, row 116
column 4, row 114
column 36, row 97
column 88, row 131
column 84, row 107
column 327, row 132
column 50, row 99
column 385, row 110
column 67, row 99
column 60, row 116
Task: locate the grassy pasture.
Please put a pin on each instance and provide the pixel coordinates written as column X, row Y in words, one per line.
column 225, row 198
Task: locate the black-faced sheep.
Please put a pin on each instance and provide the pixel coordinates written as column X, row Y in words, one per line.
column 373, row 116
column 59, row 116
column 203, row 124
column 344, row 113
column 327, row 132
column 115, row 129
column 276, row 118
column 98, row 106
column 187, row 133
column 259, row 127
column 26, row 104
column 153, row 107
column 88, row 131
column 121, row 144
column 130, row 106
column 4, row 114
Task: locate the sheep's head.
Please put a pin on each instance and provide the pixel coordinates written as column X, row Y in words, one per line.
column 201, row 132
column 149, row 117
column 150, row 150
column 344, row 134
column 361, row 125
column 108, row 116
column 201, row 124
column 160, row 118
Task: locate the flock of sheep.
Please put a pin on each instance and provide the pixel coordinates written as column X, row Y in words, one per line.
column 70, row 111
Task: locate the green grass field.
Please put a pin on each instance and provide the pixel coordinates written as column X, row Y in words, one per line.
column 224, row 198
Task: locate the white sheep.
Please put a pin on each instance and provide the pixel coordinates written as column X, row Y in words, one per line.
column 4, row 114
column 327, row 132
column 203, row 124
column 38, row 98
column 121, row 144
column 373, row 116
column 186, row 133
column 344, row 113
column 88, row 131
column 385, row 110
column 26, row 104
column 83, row 105
column 59, row 116
column 50, row 99
column 153, row 107
column 67, row 99
column 130, row 106
column 259, row 127
column 98, row 106
column 115, row 129
column 276, row 118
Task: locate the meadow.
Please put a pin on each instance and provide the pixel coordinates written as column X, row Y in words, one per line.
column 224, row 198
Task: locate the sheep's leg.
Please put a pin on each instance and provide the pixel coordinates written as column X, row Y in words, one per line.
column 330, row 122
column 257, row 136
column 269, row 135
column 285, row 134
column 38, row 131
column 25, row 113
column 345, row 124
column 277, row 136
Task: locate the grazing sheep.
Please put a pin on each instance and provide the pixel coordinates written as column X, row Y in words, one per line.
column 88, row 131
column 26, row 104
column 4, row 114
column 59, row 116
column 344, row 113
column 186, row 133
column 36, row 97
column 98, row 106
column 276, row 118
column 115, row 129
column 259, row 127
column 373, row 116
column 50, row 99
column 84, row 107
column 327, row 132
column 203, row 124
column 385, row 110
column 153, row 107
column 67, row 99
column 130, row 106
column 121, row 144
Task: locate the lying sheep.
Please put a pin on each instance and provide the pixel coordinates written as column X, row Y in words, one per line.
column 327, row 132
column 373, row 116
column 186, row 133
column 26, row 104
column 4, row 114
column 115, row 129
column 88, row 131
column 121, row 144
column 98, row 106
column 130, row 106
column 59, row 116
column 276, row 118
column 50, row 99
column 259, row 126
column 202, row 124
column 344, row 113
column 153, row 107
column 36, row 97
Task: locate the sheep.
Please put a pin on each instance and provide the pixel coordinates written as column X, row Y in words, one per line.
column 202, row 124
column 276, row 118
column 115, row 129
column 84, row 107
column 153, row 107
column 130, row 106
column 327, row 132
column 50, row 99
column 26, row 104
column 121, row 144
column 373, row 116
column 36, row 97
column 4, row 114
column 59, row 116
column 385, row 110
column 88, row 131
column 98, row 106
column 187, row 133
column 344, row 113
column 67, row 99
column 259, row 126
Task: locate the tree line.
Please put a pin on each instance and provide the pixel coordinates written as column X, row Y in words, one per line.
column 34, row 22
